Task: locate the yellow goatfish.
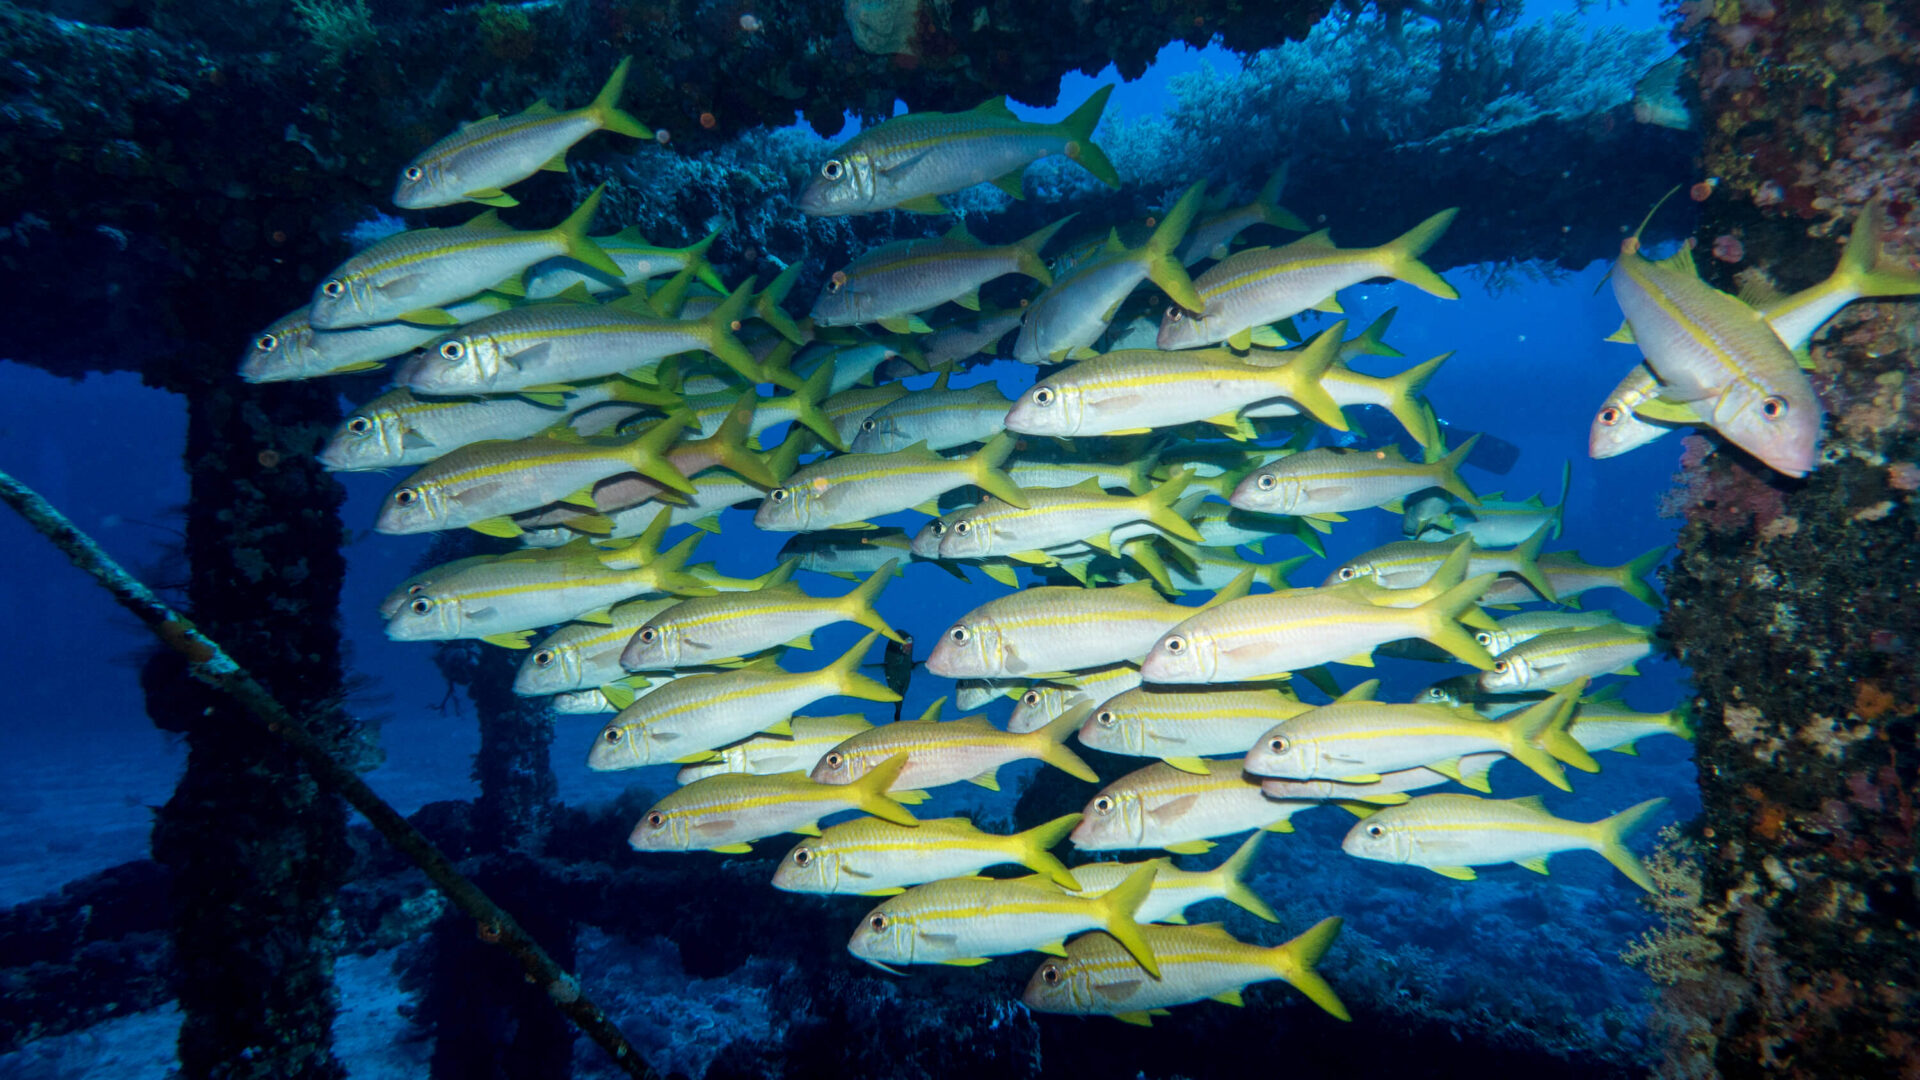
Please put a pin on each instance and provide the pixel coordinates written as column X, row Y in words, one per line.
column 1168, row 808
column 1357, row 739
column 963, row 921
column 1266, row 284
column 1175, row 890
column 969, row 748
column 482, row 159
column 736, row 625
column 1451, row 834
column 728, row 813
column 766, row 755
column 878, row 858
column 691, row 717
column 1099, row 977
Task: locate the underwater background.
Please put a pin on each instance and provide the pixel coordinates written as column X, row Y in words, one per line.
column 183, row 900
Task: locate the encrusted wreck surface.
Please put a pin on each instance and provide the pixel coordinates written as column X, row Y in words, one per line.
column 1793, row 601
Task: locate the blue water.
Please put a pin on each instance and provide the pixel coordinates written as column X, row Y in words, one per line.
column 80, row 764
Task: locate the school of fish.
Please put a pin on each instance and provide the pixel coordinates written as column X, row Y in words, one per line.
column 580, row 398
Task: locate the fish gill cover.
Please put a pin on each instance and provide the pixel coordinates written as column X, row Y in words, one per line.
column 584, row 419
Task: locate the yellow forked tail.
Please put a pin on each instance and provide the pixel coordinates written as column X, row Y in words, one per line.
column 1079, row 128
column 606, row 106
column 1401, row 257
column 1297, row 960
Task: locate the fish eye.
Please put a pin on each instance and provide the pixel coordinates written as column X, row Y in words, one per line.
column 939, row 527
column 266, row 343
column 835, row 760
column 1500, row 667
column 878, row 922
column 334, row 289
column 1277, row 744
column 1176, row 645
column 1483, row 638
column 1347, row 573
column 415, row 172
column 801, row 856
column 1610, row 415
column 1043, row 396
column 1773, row 408
column 963, row 527
column 958, row 635
column 1174, row 314
column 1265, row 482
column 1376, row 831
column 656, row 819
column 613, row 734
column 832, row 170
column 543, row 658
column 1030, row 698
column 359, row 425
column 1050, row 975
column 648, row 635
column 778, row 494
column 869, row 425
column 421, row 605
column 406, row 497
column 1103, row 804
column 452, row 350
column 1104, row 718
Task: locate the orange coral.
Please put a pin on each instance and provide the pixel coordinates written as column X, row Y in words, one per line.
column 1871, row 702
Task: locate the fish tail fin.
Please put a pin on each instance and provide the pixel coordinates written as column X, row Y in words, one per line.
column 805, row 404
column 639, row 551
column 1447, row 472
column 1027, row 258
column 648, row 453
column 1440, row 623
column 1302, row 376
column 1079, row 128
column 1157, row 506
column 669, row 570
column 870, row 792
column 1864, row 268
column 1142, row 553
column 1526, row 559
column 1536, row 737
column 1121, row 902
column 1163, row 250
column 847, row 681
column 1633, row 576
column 1405, row 402
column 720, row 327
column 1372, row 340
column 1052, row 741
column 858, row 607
column 1401, row 257
column 1680, row 721
column 1267, row 203
column 1297, row 962
column 986, row 474
column 1275, row 573
column 1231, row 878
column 580, row 247
column 1560, row 508
column 1034, row 849
column 1610, row 840
column 766, row 306
column 696, row 254
column 606, row 106
column 729, row 444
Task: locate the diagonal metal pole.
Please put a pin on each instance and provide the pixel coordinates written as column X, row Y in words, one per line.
column 210, row 664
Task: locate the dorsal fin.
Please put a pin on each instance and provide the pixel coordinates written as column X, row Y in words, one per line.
column 996, row 108
column 959, row 235
column 1113, row 244
column 1531, row 802
column 1321, row 239
column 1680, row 261
column 538, row 108
column 1363, row 692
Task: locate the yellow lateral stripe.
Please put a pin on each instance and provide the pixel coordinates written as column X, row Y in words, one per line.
column 1340, row 257
column 501, row 128
column 480, row 241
